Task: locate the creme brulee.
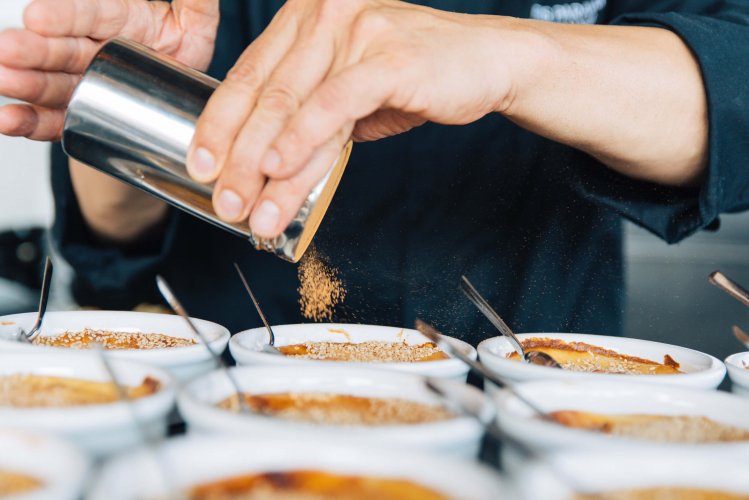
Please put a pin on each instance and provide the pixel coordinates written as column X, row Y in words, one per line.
column 365, row 352
column 15, row 483
column 582, row 357
column 111, row 340
column 663, row 494
column 663, row 428
column 311, row 485
column 341, row 409
column 37, row 391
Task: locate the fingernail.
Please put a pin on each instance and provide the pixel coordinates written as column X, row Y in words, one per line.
column 265, row 218
column 271, row 162
column 229, row 205
column 203, row 163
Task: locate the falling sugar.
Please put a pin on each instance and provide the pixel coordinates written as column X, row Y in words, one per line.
column 320, row 287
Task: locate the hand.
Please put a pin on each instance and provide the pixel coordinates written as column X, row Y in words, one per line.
column 326, row 70
column 42, row 63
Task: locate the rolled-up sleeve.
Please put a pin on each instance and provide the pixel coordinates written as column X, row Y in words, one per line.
column 720, row 43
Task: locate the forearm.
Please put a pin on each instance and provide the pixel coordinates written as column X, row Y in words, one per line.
column 114, row 211
column 632, row 97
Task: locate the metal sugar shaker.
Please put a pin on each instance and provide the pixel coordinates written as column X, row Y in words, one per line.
column 133, row 116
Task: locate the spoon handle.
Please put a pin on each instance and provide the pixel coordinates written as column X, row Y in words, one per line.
column 487, row 310
column 174, row 303
column 730, row 287
column 43, row 299
column 271, row 336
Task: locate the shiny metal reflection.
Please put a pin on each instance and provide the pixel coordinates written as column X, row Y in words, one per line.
column 133, row 116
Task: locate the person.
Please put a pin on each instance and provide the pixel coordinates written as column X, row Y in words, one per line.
column 570, row 115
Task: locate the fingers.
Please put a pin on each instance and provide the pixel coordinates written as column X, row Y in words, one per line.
column 281, row 199
column 33, row 122
column 98, row 19
column 355, row 93
column 52, row 90
column 234, row 100
column 299, row 72
column 23, row 49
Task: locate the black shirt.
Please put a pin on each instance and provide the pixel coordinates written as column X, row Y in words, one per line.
column 534, row 224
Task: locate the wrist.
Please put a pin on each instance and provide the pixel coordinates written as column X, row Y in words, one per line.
column 522, row 53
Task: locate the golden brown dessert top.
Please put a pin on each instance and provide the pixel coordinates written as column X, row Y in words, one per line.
column 341, row 409
column 664, row 494
column 113, row 340
column 311, row 485
column 582, row 357
column 15, row 483
column 38, row 391
column 663, row 428
column 365, row 352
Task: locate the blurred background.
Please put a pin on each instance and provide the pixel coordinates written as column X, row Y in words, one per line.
column 668, row 297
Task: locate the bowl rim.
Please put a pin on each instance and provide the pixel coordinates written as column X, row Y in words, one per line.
column 715, row 366
column 80, row 418
column 537, row 473
column 340, row 457
column 77, row 464
column 235, row 345
column 197, row 352
column 558, row 437
column 739, row 374
column 193, row 407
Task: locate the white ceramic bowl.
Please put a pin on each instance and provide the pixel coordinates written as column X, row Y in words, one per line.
column 522, row 424
column 183, row 362
column 459, row 436
column 100, row 429
column 59, row 466
column 602, row 471
column 195, row 460
column 246, row 347
column 702, row 371
column 737, row 370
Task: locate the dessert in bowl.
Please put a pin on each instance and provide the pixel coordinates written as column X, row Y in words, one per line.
column 357, row 405
column 71, row 394
column 161, row 340
column 601, row 415
column 39, row 467
column 352, row 345
column 738, row 371
column 633, row 475
column 599, row 357
column 288, row 467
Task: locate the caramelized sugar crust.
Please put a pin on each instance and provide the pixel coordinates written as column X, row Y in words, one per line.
column 14, row 483
column 38, row 391
column 582, row 357
column 341, row 409
column 113, row 340
column 366, row 352
column 663, row 494
column 662, row 428
column 312, row 485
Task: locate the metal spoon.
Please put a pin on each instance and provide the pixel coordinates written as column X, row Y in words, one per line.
column 148, row 438
column 533, row 357
column 730, row 287
column 741, row 335
column 43, row 298
column 270, row 346
column 176, row 306
column 443, row 343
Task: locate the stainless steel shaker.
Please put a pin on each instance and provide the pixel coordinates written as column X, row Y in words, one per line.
column 133, row 116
